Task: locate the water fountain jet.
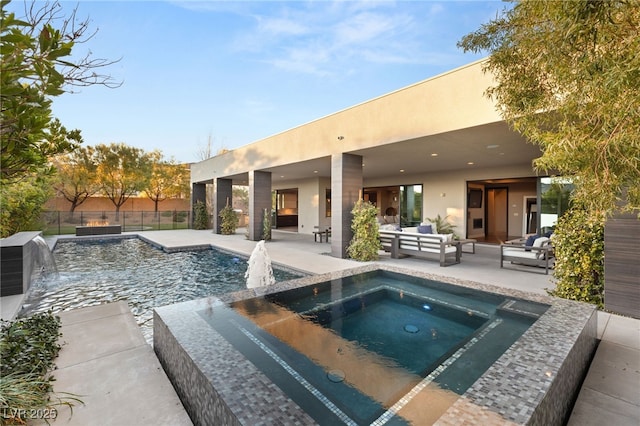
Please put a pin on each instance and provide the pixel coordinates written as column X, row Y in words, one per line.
column 259, row 271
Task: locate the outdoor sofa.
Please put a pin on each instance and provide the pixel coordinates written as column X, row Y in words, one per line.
column 407, row 242
column 534, row 251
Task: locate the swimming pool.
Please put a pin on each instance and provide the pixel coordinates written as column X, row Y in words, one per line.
column 376, row 346
column 102, row 270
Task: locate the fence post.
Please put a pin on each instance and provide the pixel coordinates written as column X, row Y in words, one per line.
column 142, row 220
column 59, row 225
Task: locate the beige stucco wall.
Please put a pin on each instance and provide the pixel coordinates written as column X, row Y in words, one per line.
column 459, row 91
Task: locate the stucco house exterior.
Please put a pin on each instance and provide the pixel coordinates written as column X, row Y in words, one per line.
column 436, row 147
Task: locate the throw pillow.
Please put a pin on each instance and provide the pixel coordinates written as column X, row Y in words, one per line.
column 425, row 229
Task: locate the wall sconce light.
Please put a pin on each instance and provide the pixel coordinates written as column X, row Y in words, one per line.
column 340, row 138
column 443, row 194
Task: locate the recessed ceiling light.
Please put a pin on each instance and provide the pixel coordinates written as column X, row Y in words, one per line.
column 434, row 154
column 471, row 163
column 315, row 171
column 281, row 176
column 401, row 170
column 494, row 146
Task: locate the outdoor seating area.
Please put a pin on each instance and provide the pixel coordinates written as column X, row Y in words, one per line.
column 539, row 253
column 447, row 250
column 322, row 234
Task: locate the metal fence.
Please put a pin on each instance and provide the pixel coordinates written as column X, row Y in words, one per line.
column 64, row 222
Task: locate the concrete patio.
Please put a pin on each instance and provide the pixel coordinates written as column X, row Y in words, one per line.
column 106, row 361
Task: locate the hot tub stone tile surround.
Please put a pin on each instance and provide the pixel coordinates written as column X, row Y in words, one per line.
column 530, row 383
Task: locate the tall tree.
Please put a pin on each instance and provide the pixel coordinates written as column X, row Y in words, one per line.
column 36, row 66
column 122, row 170
column 75, row 178
column 167, row 179
column 568, row 78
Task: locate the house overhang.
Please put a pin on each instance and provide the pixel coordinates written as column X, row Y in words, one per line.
column 441, row 124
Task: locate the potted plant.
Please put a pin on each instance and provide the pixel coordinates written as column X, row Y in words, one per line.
column 229, row 221
column 442, row 225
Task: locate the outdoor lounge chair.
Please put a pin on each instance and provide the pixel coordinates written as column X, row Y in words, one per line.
column 539, row 254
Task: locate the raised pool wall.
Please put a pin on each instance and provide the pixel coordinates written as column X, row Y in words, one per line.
column 17, row 262
column 534, row 382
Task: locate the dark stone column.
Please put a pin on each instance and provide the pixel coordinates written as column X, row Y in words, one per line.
column 346, row 188
column 198, row 193
column 222, row 193
column 259, row 199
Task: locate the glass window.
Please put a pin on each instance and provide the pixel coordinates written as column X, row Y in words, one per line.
column 555, row 198
column 410, row 205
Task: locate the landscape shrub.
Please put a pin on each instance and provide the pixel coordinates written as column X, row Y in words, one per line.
column 28, row 348
column 578, row 241
column 365, row 244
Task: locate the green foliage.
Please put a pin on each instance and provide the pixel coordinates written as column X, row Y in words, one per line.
column 29, row 345
column 22, row 203
column 266, row 225
column 200, row 216
column 442, row 225
column 588, row 85
column 229, row 222
column 122, row 171
column 28, row 348
column 75, row 178
column 36, row 65
column 578, row 242
column 365, row 244
column 167, row 179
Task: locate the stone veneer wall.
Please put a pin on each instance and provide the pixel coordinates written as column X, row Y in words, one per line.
column 216, row 385
column 555, row 407
column 200, row 400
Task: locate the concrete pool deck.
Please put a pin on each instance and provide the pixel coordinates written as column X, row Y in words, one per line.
column 123, row 379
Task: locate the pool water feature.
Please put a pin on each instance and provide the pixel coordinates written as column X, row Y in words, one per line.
column 96, row 271
column 375, row 346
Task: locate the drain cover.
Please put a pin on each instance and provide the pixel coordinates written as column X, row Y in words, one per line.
column 410, row 328
column 335, row 376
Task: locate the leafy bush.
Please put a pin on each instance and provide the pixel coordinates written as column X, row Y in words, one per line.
column 578, row 242
column 28, row 348
column 200, row 215
column 229, row 222
column 22, row 203
column 365, row 244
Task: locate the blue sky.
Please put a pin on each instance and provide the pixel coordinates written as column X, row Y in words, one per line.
column 239, row 71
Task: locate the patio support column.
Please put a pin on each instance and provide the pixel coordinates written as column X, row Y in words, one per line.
column 259, row 199
column 222, row 192
column 198, row 193
column 346, row 187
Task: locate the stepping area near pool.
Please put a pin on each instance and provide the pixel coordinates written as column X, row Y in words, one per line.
column 609, row 393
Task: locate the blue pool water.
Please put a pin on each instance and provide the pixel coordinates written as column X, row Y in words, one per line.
column 93, row 272
column 350, row 350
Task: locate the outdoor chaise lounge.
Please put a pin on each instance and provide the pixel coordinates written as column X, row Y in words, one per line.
column 442, row 247
column 539, row 254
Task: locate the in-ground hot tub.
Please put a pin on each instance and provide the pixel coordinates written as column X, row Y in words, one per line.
column 375, row 345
